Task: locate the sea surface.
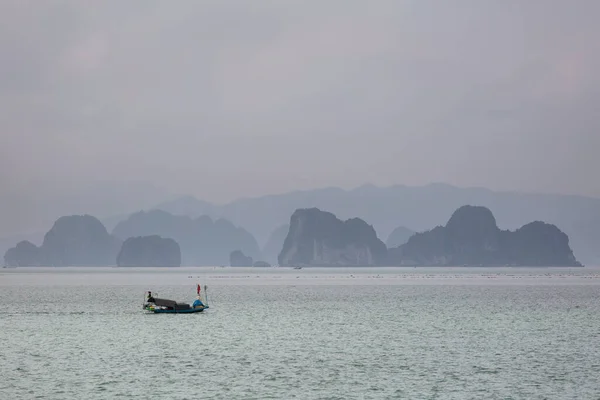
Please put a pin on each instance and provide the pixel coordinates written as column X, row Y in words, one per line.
column 314, row 333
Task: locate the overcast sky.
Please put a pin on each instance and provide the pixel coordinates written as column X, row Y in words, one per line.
column 224, row 99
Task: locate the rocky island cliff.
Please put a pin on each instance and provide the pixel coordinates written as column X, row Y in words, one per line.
column 76, row 240
column 203, row 241
column 24, row 254
column 149, row 251
column 317, row 237
column 472, row 237
column 238, row 259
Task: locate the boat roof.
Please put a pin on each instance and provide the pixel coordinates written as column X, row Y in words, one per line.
column 164, row 302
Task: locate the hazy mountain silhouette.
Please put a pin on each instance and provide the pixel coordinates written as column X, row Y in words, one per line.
column 27, row 216
column 399, row 236
column 37, row 212
column 202, row 240
column 424, row 207
column 75, row 240
column 319, row 238
column 274, row 244
column 37, row 237
column 419, row 207
column 471, row 237
column 9, row 242
column 149, row 251
column 238, row 259
column 188, row 205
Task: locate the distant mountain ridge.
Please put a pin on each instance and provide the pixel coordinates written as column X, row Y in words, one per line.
column 154, row 238
column 399, row 236
column 314, row 237
column 421, row 208
column 29, row 215
column 272, row 248
column 31, row 212
column 188, row 206
column 75, row 240
column 386, row 208
column 203, row 241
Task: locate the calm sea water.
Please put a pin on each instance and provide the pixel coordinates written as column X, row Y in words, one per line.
column 364, row 333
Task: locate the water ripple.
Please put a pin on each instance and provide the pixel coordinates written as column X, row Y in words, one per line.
column 320, row 341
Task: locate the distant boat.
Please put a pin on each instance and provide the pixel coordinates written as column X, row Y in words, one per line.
column 297, row 267
column 166, row 306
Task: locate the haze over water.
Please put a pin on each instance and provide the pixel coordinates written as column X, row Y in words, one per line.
column 315, row 333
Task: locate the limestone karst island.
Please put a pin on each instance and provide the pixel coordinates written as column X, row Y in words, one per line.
column 312, row 237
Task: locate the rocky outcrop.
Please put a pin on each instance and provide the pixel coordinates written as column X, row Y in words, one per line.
column 79, row 240
column 274, row 244
column 421, row 208
column 317, row 237
column 76, row 240
column 399, row 236
column 7, row 243
column 149, row 251
column 472, row 237
column 239, row 259
column 261, row 264
column 202, row 240
column 24, row 254
column 539, row 243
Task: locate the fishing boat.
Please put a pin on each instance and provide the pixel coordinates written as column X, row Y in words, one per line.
column 165, row 306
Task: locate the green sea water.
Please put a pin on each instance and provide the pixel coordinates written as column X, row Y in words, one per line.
column 326, row 333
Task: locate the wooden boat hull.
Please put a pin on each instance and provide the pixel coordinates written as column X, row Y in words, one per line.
column 159, row 305
column 174, row 311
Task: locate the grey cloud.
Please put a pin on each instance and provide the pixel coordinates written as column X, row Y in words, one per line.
column 244, row 98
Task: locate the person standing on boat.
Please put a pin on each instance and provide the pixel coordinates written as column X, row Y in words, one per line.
column 150, row 298
column 198, row 301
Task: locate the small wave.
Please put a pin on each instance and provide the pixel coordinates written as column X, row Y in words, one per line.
column 14, row 314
